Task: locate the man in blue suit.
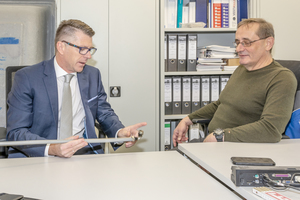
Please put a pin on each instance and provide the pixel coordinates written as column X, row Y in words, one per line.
column 35, row 100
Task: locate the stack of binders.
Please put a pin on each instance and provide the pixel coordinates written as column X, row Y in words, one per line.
column 180, row 52
column 186, row 94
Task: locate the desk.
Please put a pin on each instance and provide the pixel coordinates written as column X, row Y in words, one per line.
column 215, row 157
column 145, row 175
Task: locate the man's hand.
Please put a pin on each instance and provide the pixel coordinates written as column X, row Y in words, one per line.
column 131, row 131
column 211, row 138
column 180, row 131
column 67, row 150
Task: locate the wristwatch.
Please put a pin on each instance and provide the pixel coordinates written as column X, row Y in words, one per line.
column 219, row 133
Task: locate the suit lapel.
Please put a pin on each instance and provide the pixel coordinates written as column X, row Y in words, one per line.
column 51, row 87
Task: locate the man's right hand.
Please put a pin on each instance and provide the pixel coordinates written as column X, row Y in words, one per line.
column 180, row 131
column 67, row 150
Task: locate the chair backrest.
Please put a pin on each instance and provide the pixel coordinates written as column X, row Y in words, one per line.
column 10, row 74
column 293, row 127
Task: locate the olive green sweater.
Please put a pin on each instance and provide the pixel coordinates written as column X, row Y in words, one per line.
column 255, row 106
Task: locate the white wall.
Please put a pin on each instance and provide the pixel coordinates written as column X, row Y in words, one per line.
column 284, row 15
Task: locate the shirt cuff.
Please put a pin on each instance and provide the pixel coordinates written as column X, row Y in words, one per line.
column 116, row 136
column 46, row 151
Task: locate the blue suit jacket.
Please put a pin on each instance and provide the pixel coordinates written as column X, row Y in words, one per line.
column 33, row 106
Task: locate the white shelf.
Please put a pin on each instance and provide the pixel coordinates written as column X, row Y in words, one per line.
column 175, row 116
column 200, row 30
column 195, row 73
column 205, row 36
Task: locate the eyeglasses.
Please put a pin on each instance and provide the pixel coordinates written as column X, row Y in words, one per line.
column 247, row 43
column 82, row 50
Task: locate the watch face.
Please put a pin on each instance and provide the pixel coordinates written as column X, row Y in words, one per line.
column 218, row 131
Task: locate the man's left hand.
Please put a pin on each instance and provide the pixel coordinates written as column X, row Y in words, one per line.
column 131, row 131
column 210, row 138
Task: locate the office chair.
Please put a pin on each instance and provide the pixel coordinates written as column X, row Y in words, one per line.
column 10, row 73
column 293, row 127
column 3, row 150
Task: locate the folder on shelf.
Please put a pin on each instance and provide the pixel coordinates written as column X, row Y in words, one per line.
column 223, row 81
column 192, row 12
column 233, row 14
column 185, row 14
column 181, row 52
column 168, row 96
column 171, row 13
column 166, row 53
column 205, row 90
column 167, row 135
column 216, row 13
column 194, row 131
column 179, row 12
column 225, row 13
column 176, row 90
column 195, row 93
column 186, row 95
column 191, row 52
column 201, row 11
column 242, row 10
column 215, row 88
column 172, row 52
column 173, row 124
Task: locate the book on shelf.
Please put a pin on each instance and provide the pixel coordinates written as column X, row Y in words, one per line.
column 179, row 13
column 216, row 13
column 242, row 10
column 171, row 13
column 201, row 11
column 233, row 14
column 185, row 15
column 225, row 13
column 192, row 12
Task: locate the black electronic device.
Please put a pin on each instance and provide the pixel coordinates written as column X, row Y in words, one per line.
column 254, row 176
column 252, row 161
column 5, row 196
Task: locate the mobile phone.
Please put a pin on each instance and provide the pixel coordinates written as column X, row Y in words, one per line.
column 254, row 161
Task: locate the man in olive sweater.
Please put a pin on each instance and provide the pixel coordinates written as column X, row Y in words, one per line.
column 257, row 102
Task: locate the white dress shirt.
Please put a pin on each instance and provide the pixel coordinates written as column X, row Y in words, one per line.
column 77, row 106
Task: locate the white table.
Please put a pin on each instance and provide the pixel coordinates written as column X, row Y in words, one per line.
column 215, row 157
column 146, row 175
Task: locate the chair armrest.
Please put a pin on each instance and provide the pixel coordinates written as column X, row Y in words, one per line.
column 201, row 121
column 2, row 133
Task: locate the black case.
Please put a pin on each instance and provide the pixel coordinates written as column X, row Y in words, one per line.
column 254, row 161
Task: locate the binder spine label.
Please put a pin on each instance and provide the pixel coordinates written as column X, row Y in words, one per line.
column 205, row 89
column 192, row 47
column 168, row 90
column 172, row 47
column 196, row 90
column 182, row 47
column 176, row 89
column 215, row 88
column 186, row 89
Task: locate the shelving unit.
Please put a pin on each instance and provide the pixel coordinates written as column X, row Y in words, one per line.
column 205, row 37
